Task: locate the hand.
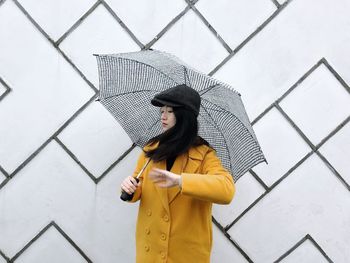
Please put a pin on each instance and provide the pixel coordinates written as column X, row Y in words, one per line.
column 164, row 178
column 129, row 185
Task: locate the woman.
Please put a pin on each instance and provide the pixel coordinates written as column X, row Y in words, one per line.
column 177, row 188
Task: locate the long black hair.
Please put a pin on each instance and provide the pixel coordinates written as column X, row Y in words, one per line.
column 179, row 138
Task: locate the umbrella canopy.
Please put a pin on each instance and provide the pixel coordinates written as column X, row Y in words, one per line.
column 128, row 82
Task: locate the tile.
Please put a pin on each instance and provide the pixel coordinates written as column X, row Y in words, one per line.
column 337, row 152
column 234, row 21
column 146, row 18
column 304, row 253
column 247, row 191
column 318, row 105
column 311, row 200
column 191, row 40
column 223, row 251
column 283, row 51
column 51, row 247
column 47, row 94
column 53, row 187
column 56, row 17
column 282, row 145
column 99, row 33
column 95, row 138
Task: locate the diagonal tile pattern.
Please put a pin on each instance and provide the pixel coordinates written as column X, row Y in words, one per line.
column 53, row 136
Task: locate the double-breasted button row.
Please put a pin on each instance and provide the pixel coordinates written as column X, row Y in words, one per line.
column 162, row 255
column 147, row 248
column 166, row 218
column 163, row 236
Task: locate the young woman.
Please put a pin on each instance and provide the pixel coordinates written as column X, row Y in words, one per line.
column 178, row 186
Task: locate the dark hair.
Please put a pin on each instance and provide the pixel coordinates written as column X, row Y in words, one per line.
column 179, row 138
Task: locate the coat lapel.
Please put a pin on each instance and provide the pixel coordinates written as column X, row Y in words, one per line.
column 185, row 163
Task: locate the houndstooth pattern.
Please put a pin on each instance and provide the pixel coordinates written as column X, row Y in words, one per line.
column 129, row 81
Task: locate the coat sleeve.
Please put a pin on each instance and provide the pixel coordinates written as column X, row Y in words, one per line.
column 215, row 184
column 140, row 164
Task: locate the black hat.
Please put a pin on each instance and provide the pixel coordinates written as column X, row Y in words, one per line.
column 178, row 96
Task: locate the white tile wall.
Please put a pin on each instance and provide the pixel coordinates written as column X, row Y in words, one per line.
column 234, row 21
column 248, row 189
column 283, row 146
column 305, row 253
column 51, row 247
column 311, row 200
column 46, row 90
column 56, row 17
column 99, row 33
column 337, row 152
column 146, row 18
column 318, row 105
column 192, row 41
column 96, row 138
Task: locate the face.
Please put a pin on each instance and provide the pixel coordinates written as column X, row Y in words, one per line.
column 167, row 118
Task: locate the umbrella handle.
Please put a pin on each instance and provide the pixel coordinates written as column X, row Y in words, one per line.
column 125, row 196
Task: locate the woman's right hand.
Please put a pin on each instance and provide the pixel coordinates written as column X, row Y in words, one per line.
column 129, row 185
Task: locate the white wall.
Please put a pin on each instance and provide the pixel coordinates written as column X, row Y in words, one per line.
column 60, row 165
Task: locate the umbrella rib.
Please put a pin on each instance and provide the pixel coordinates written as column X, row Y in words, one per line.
column 220, row 133
column 147, row 65
column 209, row 88
column 125, row 93
column 255, row 141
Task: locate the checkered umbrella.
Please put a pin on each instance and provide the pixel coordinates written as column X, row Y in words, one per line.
column 129, row 81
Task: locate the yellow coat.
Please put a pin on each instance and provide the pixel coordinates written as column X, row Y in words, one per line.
column 174, row 225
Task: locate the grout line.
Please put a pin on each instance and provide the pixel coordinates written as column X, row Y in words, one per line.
column 71, row 242
column 43, row 231
column 332, row 133
column 211, row 28
column 262, row 183
column 333, row 170
column 50, row 138
column 77, row 23
column 269, row 190
column 93, row 178
column 115, row 163
column 299, row 131
column 240, row 46
column 4, row 172
column 167, row 27
column 293, row 248
column 53, row 44
column 276, row 3
column 336, row 75
column 110, row 10
column 227, row 235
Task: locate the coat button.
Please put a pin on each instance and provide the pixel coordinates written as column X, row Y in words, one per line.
column 149, row 212
column 162, row 255
column 147, row 248
column 166, row 218
column 147, row 230
column 162, row 236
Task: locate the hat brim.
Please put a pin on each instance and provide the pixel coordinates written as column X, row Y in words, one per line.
column 160, row 103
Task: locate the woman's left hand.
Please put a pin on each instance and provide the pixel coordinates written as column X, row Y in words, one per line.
column 164, row 178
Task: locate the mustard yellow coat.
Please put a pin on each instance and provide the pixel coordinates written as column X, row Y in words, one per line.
column 174, row 225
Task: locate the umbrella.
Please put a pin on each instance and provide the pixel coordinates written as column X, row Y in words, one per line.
column 128, row 82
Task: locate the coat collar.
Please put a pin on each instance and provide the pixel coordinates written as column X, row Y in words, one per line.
column 185, row 163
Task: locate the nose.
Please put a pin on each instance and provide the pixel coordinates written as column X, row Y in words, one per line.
column 164, row 116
